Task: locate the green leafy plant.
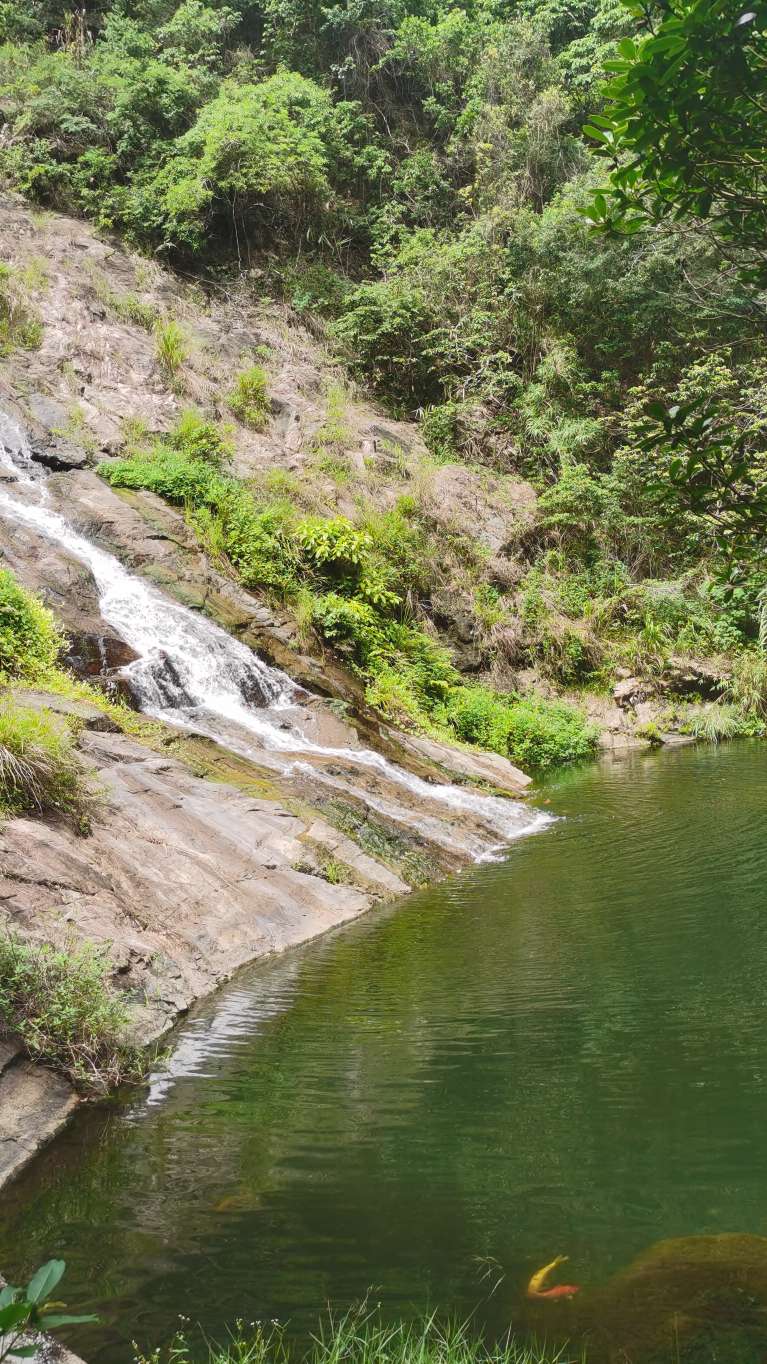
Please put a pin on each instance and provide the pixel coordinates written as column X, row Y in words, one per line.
column 30, row 640
column 533, row 732
column 684, row 130
column 26, row 1311
column 61, row 1006
column 196, row 438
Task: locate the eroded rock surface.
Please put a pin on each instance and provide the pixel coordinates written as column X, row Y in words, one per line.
column 184, row 879
column 34, row 1106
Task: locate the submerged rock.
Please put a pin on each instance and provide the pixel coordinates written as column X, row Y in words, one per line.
column 685, row 1294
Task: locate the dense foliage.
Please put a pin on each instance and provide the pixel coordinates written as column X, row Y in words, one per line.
column 351, row 588
column 685, row 128
column 416, row 173
column 30, row 641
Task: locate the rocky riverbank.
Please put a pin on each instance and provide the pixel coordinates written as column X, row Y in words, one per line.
column 203, row 857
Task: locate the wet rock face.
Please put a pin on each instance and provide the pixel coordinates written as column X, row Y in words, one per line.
column 93, row 648
column 184, row 879
column 96, row 654
column 34, row 1105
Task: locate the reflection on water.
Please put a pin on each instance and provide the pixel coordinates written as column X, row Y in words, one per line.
column 563, row 1053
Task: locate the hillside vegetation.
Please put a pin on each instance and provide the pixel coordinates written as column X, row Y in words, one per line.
column 412, row 179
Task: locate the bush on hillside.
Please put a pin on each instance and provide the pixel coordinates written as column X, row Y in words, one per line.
column 30, row 641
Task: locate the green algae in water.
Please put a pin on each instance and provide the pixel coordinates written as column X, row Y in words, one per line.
column 561, row 1053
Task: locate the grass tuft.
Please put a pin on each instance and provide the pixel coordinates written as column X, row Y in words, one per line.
column 362, row 1337
column 20, row 329
column 39, row 770
column 60, row 1006
column 249, row 399
column 171, row 346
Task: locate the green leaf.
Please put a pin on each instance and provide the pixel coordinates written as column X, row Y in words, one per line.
column 53, row 1319
column 13, row 1315
column 657, row 411
column 598, row 134
column 42, row 1284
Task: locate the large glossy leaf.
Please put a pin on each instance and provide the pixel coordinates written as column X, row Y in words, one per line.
column 42, row 1284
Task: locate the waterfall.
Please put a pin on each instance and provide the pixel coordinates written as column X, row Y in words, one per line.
column 192, row 674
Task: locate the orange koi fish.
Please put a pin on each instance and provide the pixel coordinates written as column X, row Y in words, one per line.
column 535, row 1288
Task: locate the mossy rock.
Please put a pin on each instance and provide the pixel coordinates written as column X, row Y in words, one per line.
column 695, row 1298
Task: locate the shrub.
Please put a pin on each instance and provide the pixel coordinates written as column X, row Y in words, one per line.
column 478, row 717
column 544, row 734
column 249, row 400
column 60, row 1005
column 30, row 641
column 196, row 438
column 39, row 772
column 381, row 334
column 439, row 428
column 534, row 732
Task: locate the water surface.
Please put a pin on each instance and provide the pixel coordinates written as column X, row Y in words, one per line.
column 564, row 1052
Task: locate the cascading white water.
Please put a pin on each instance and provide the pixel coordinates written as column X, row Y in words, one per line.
column 191, row 673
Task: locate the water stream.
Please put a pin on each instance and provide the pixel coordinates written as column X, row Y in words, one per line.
column 563, row 1052
column 193, row 674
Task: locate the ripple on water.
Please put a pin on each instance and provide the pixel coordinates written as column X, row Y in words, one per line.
column 563, row 1052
